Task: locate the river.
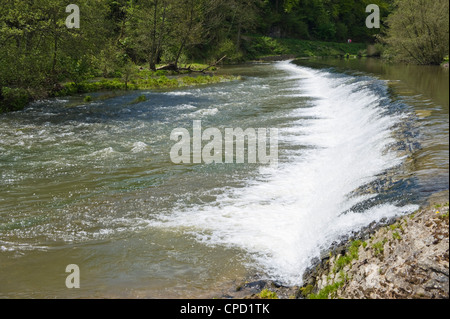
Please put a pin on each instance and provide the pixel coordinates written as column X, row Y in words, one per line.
column 92, row 184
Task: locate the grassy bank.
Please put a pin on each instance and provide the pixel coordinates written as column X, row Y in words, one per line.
column 257, row 47
column 136, row 78
column 139, row 78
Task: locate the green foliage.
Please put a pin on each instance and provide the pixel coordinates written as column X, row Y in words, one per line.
column 198, row 80
column 351, row 255
column 418, row 32
column 228, row 48
column 72, row 88
column 260, row 46
column 306, row 291
column 13, row 99
column 379, row 247
column 157, row 83
column 444, row 216
column 396, row 236
column 396, row 226
column 139, row 99
column 321, row 19
column 328, row 291
column 38, row 52
column 160, row 73
column 267, row 294
column 161, row 82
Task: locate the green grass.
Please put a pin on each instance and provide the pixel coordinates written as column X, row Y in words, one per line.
column 142, row 83
column 306, row 291
column 396, row 236
column 139, row 99
column 328, row 291
column 379, row 247
column 351, row 255
column 396, row 226
column 444, row 216
column 267, row 294
column 262, row 46
column 72, row 88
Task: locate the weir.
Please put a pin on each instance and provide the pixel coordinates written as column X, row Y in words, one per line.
column 93, row 184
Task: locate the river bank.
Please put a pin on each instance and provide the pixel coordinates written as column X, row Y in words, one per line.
column 90, row 183
column 135, row 77
column 406, row 259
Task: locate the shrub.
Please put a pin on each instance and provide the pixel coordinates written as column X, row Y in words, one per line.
column 418, row 31
column 13, row 99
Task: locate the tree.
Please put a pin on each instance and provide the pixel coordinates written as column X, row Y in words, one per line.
column 38, row 50
column 186, row 27
column 148, row 29
column 418, row 31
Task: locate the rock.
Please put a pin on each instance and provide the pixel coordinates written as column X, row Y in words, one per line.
column 414, row 262
column 257, row 286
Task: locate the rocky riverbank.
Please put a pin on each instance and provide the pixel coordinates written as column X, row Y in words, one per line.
column 408, row 259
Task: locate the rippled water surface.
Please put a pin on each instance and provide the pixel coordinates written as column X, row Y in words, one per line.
column 93, row 184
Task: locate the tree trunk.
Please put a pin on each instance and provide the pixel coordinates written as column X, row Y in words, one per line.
column 185, row 38
column 161, row 34
column 238, row 42
column 55, row 45
column 152, row 57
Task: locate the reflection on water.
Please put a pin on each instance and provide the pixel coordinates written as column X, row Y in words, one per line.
column 430, row 81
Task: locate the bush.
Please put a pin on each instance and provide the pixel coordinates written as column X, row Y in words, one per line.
column 89, row 87
column 418, row 32
column 160, row 73
column 13, row 99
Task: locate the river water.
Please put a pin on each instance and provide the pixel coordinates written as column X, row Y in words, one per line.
column 92, row 184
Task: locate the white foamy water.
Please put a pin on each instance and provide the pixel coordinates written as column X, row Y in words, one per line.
column 139, row 147
column 301, row 207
